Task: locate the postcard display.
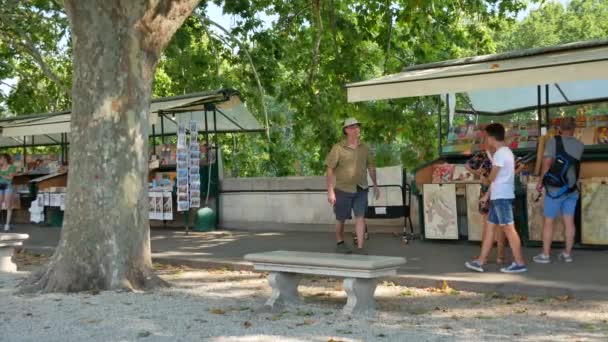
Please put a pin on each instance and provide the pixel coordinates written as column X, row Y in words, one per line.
column 188, row 168
column 161, row 205
column 55, row 197
column 467, row 139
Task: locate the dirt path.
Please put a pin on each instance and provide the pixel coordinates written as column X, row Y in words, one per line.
column 221, row 305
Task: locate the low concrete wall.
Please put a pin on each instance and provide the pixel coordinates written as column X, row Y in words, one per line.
column 286, row 204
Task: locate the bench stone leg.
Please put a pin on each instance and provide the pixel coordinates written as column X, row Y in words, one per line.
column 284, row 288
column 360, row 295
column 6, row 262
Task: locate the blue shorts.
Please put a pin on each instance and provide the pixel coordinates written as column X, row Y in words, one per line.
column 501, row 212
column 565, row 204
column 6, row 189
column 347, row 202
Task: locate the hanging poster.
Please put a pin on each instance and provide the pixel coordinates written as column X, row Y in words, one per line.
column 167, row 206
column 194, row 169
column 594, row 221
column 152, row 212
column 440, row 215
column 474, row 217
column 182, row 170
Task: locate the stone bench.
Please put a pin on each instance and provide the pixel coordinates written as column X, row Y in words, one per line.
column 360, row 273
column 8, row 242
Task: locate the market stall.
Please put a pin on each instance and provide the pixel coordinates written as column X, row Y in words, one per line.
column 202, row 116
column 528, row 91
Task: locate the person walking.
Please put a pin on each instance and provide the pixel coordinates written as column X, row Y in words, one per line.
column 349, row 162
column 7, row 172
column 559, row 177
column 500, row 195
column 481, row 165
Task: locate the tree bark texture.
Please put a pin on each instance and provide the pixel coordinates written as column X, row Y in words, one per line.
column 105, row 239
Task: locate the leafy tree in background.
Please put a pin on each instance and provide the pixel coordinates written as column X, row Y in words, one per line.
column 302, row 59
column 34, row 37
column 554, row 23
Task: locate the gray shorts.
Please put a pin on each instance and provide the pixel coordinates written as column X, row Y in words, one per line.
column 347, row 202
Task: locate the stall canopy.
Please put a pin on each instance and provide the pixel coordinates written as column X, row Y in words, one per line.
column 230, row 112
column 501, row 83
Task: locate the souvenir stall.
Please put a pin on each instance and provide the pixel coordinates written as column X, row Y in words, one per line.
column 40, row 158
column 528, row 91
column 185, row 158
column 181, row 145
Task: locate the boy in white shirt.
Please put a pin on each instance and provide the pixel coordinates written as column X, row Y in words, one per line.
column 501, row 195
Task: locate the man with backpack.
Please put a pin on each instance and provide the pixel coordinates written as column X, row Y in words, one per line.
column 559, row 177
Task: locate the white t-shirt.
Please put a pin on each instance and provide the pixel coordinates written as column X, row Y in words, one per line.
column 503, row 187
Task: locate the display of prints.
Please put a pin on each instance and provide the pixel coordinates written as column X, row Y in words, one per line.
column 440, row 215
column 183, row 206
column 167, row 206
column 536, row 205
column 182, row 165
column 182, row 157
column 181, row 141
column 182, row 168
column 152, row 213
column 196, row 178
column 601, row 136
column 594, row 221
column 182, row 196
column 461, row 174
column 195, row 202
column 194, row 170
column 195, row 154
column 474, row 217
column 442, row 173
column 193, row 128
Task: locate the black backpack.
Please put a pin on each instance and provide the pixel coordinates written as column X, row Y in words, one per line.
column 557, row 176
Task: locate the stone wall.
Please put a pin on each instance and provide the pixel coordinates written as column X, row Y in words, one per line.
column 287, row 203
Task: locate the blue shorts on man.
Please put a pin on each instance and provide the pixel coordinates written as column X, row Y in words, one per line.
column 564, row 205
column 501, row 212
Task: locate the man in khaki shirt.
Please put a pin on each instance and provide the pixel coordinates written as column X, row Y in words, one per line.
column 349, row 161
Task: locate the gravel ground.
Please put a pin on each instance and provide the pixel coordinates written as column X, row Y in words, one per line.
column 220, row 305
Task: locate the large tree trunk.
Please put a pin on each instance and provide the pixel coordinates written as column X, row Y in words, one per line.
column 105, row 240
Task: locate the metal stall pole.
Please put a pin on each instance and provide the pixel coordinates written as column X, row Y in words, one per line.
column 439, row 129
column 66, row 148
column 62, row 151
column 217, row 167
column 24, row 150
column 154, row 142
column 207, row 133
column 162, row 128
column 539, row 109
column 547, row 102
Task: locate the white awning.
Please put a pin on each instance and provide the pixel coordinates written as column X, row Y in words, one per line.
column 560, row 64
column 499, row 101
column 232, row 116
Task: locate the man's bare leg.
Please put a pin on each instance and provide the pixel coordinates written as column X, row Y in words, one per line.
column 339, row 231
column 514, row 243
column 487, row 243
column 500, row 246
column 570, row 231
column 360, row 230
column 547, row 235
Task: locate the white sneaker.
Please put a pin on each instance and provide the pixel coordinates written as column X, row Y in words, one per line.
column 565, row 257
column 7, row 227
column 542, row 259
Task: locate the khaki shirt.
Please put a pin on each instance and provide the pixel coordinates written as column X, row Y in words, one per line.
column 350, row 165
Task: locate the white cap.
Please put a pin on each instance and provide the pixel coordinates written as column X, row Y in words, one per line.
column 350, row 122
